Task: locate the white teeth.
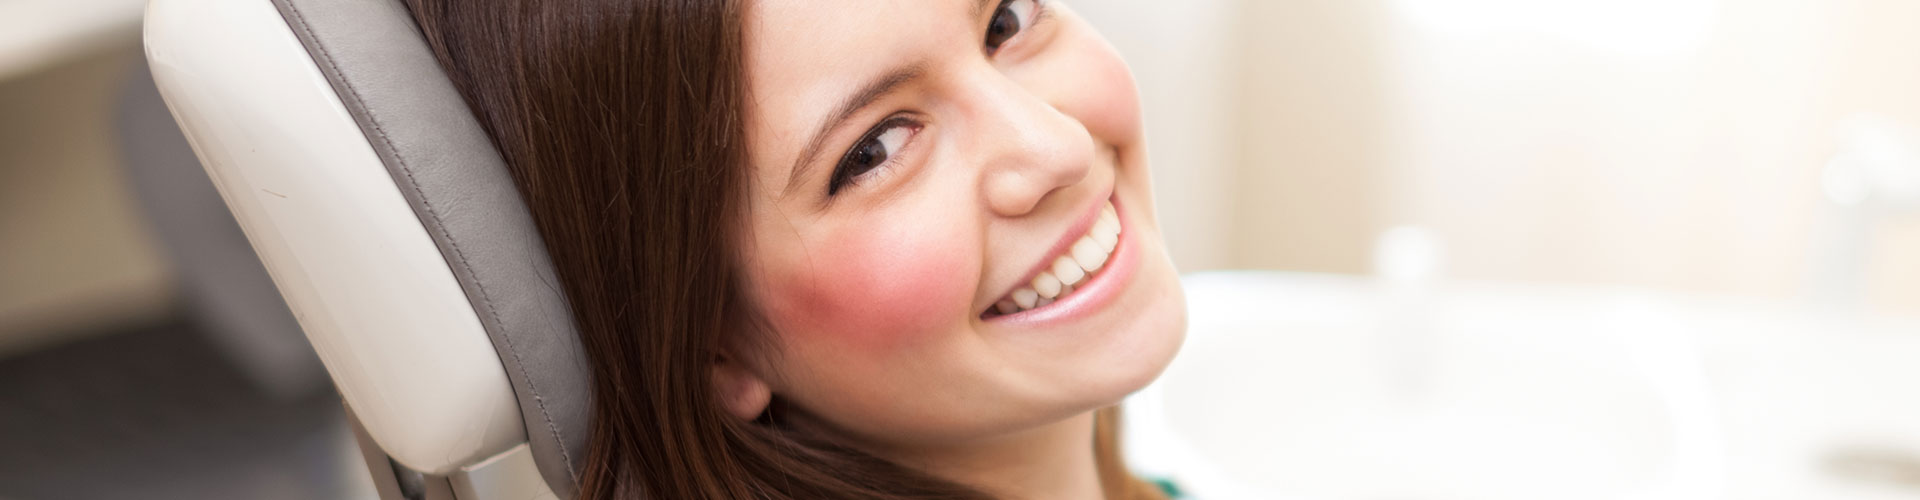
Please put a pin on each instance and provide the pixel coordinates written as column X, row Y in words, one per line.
column 1047, row 285
column 1026, row 298
column 1068, row 271
column 1086, row 256
column 1106, row 241
column 1106, row 231
column 1089, row 254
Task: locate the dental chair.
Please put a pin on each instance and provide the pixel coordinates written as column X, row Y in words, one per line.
column 392, row 229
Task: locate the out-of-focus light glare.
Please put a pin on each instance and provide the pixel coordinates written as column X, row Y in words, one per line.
column 1407, row 254
column 1654, row 28
column 1878, row 158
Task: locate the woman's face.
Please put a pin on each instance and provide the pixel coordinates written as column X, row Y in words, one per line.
column 925, row 175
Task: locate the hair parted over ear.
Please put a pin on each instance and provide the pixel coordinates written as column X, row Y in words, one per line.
column 745, row 394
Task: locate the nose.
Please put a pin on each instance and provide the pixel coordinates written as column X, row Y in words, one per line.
column 1030, row 148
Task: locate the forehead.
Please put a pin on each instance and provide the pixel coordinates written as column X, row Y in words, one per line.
column 804, row 56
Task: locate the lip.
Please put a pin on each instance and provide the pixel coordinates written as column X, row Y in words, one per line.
column 1094, row 293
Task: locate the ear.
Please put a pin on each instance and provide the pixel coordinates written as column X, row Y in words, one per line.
column 742, row 392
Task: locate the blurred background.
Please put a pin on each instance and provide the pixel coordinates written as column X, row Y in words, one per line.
column 1459, row 248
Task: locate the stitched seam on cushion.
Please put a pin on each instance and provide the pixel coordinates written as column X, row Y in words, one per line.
column 541, row 402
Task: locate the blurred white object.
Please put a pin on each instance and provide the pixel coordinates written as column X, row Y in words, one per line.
column 1408, row 254
column 1878, row 161
column 1532, row 392
column 1407, row 262
column 1874, row 174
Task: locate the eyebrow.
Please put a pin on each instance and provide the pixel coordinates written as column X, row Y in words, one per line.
column 866, row 96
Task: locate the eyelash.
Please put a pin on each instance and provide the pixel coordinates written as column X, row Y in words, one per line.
column 843, row 175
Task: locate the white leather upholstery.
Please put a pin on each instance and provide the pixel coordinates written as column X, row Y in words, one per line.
column 369, row 285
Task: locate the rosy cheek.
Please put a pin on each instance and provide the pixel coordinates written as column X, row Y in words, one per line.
column 876, row 288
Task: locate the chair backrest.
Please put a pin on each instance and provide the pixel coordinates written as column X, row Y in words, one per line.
column 388, row 221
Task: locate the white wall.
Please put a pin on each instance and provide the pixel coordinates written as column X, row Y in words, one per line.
column 1667, row 144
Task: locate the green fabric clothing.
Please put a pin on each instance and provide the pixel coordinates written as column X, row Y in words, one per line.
column 1169, row 487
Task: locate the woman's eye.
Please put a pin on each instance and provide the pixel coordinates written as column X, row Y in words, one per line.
column 1008, row 20
column 871, row 152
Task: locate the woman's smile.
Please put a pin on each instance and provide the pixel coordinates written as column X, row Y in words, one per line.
column 1073, row 276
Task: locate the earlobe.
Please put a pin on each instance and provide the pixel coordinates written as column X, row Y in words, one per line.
column 743, row 393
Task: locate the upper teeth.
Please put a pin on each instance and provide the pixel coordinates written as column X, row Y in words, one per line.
column 1082, row 259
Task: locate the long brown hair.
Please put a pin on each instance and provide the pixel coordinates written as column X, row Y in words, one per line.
column 621, row 121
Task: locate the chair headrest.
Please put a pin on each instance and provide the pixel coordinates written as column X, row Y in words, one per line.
column 380, row 65
column 371, row 57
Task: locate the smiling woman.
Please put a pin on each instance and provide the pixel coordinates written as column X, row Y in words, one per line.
column 834, row 248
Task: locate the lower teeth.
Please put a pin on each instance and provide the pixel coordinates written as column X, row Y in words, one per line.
column 996, row 310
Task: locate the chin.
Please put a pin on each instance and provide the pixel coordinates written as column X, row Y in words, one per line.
column 1141, row 348
column 1149, row 320
column 1129, row 347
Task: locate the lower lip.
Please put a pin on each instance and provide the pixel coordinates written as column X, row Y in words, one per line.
column 1089, row 297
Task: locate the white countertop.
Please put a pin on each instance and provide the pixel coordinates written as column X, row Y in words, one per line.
column 1315, row 386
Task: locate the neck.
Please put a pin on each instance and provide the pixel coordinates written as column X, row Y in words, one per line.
column 1055, row 461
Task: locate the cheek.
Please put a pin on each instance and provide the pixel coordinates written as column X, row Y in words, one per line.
column 1102, row 97
column 878, row 289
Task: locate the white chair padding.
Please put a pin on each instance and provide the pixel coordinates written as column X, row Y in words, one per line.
column 388, row 221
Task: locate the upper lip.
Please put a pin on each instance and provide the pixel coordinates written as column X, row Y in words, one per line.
column 1079, row 228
